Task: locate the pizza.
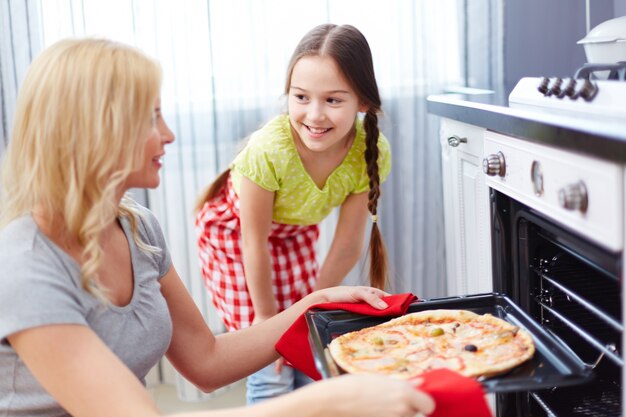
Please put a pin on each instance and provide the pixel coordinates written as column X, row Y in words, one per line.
column 473, row 345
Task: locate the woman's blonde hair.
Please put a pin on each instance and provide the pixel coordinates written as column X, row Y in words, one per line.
column 80, row 113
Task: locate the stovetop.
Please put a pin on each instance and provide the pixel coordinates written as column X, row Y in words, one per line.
column 584, row 94
column 593, row 99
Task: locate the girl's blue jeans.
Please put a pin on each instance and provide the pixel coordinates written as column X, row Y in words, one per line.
column 266, row 383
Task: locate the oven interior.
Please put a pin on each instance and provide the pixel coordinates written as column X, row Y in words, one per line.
column 572, row 288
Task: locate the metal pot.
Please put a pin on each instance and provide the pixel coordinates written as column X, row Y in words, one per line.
column 606, row 43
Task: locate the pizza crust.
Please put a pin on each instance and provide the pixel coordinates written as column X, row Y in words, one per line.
column 415, row 343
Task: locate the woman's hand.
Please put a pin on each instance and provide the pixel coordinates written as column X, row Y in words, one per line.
column 280, row 362
column 366, row 395
column 353, row 294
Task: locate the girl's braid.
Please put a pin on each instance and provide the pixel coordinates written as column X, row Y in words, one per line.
column 370, row 124
column 377, row 252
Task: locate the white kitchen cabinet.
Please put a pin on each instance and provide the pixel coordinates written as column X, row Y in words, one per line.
column 466, row 209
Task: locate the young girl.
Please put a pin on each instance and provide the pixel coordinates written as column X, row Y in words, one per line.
column 257, row 223
column 89, row 298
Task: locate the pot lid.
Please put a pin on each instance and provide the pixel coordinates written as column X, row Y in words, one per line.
column 613, row 30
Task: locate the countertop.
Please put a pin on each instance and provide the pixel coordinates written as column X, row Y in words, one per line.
column 589, row 135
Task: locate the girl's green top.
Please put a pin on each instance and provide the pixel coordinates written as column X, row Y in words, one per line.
column 270, row 159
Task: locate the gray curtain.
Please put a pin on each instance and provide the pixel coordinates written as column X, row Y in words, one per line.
column 20, row 40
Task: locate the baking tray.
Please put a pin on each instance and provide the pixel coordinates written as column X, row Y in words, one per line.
column 553, row 365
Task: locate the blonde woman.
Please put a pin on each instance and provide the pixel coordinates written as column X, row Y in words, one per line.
column 89, row 299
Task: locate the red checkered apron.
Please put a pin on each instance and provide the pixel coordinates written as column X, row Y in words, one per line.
column 292, row 251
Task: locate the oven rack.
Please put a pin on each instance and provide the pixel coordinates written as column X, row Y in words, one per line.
column 542, row 404
column 592, row 327
column 584, row 403
column 608, row 350
column 572, row 295
column 575, row 297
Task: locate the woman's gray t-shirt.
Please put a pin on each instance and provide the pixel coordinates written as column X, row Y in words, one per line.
column 40, row 285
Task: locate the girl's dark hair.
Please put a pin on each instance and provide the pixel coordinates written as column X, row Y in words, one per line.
column 347, row 46
column 212, row 190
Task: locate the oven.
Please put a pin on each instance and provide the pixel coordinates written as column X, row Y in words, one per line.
column 557, row 229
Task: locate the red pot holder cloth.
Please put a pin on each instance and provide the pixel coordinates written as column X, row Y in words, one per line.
column 454, row 394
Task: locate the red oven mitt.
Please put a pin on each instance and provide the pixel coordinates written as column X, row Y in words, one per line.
column 454, row 394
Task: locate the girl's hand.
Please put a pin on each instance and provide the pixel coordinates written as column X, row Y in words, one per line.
column 352, row 294
column 369, row 396
column 278, row 365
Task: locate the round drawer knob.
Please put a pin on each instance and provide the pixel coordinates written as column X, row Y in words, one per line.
column 494, row 164
column 455, row 140
column 574, row 197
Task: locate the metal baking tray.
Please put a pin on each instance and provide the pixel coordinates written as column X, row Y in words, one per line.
column 553, row 365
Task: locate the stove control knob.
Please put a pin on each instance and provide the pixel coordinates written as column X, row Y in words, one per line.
column 574, row 197
column 555, row 87
column 543, row 86
column 494, row 164
column 570, row 89
column 588, row 90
